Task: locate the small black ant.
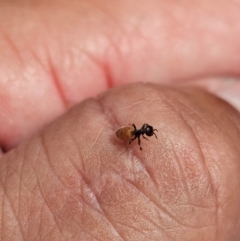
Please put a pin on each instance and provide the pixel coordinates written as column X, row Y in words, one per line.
column 132, row 133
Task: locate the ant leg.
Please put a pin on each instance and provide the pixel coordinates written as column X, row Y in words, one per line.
column 139, row 143
column 154, row 133
column 131, row 141
column 145, row 137
column 135, row 128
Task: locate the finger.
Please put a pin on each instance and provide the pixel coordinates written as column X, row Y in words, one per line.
column 226, row 88
column 72, row 180
column 60, row 53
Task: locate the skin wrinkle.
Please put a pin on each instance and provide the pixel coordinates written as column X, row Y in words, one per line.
column 110, row 220
column 19, row 188
column 37, row 153
column 81, row 158
column 138, row 230
column 108, row 114
column 107, row 67
column 13, row 46
column 58, row 84
column 119, row 51
column 234, row 124
column 145, row 100
column 85, row 182
column 227, row 131
column 197, row 206
column 108, row 76
column 103, row 67
column 158, row 226
column 90, row 233
column 74, row 141
column 219, row 120
column 188, row 124
column 199, row 147
column 237, row 225
column 228, row 134
column 55, row 218
column 111, row 53
column 1, row 210
column 45, row 149
column 40, row 189
column 217, row 205
column 113, row 20
column 203, row 158
column 216, row 188
column 86, row 230
column 105, row 12
column 146, row 197
column 7, row 198
column 169, row 214
column 97, row 208
column 20, row 183
column 95, row 238
column 183, row 177
column 93, row 59
column 141, row 160
column 34, row 234
column 224, row 87
column 5, row 193
column 112, row 224
column 38, row 60
column 96, row 234
column 92, row 191
column 192, row 111
column 93, row 144
column 41, row 217
column 127, row 225
column 157, row 206
column 48, row 207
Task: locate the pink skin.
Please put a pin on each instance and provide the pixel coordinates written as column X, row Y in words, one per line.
column 70, row 181
column 65, row 61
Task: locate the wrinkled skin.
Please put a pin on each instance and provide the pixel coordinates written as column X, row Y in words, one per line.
column 72, row 179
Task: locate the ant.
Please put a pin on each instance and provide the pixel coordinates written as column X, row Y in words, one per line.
column 131, row 133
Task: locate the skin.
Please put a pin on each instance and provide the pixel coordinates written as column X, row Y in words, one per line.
column 71, row 179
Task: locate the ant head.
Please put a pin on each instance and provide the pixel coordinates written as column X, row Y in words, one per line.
column 148, row 129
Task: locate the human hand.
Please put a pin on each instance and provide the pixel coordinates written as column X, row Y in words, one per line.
column 71, row 181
